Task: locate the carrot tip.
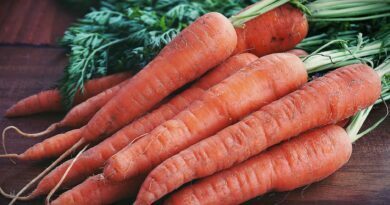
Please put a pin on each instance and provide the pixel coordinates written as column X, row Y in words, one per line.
column 9, row 156
column 20, row 198
column 44, row 172
column 8, row 113
column 51, row 128
column 5, row 147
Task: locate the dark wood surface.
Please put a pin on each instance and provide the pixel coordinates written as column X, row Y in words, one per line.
column 27, row 69
column 33, row 22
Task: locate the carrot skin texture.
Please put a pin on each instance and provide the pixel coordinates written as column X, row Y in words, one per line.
column 325, row 100
column 100, row 85
column 255, row 85
column 97, row 190
column 82, row 113
column 50, row 100
column 45, row 101
column 94, row 158
column 185, row 58
column 281, row 29
column 303, row 160
column 51, row 147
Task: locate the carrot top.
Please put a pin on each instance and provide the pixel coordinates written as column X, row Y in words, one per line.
column 363, row 52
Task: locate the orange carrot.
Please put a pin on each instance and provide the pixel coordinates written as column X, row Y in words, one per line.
column 325, row 100
column 278, row 30
column 128, row 105
column 97, row 190
column 50, row 100
column 133, row 103
column 255, row 85
column 77, row 116
column 303, row 160
column 185, row 58
column 49, row 148
column 94, row 158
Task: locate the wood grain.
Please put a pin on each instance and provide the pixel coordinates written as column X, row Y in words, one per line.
column 33, row 22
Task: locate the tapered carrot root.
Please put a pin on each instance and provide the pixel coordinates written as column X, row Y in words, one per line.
column 94, row 158
column 185, row 58
column 278, row 30
column 50, row 100
column 49, row 148
column 329, row 99
column 303, row 160
column 255, row 85
column 97, row 190
column 43, row 173
column 79, row 115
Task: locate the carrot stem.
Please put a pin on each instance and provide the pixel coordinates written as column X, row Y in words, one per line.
column 331, row 59
column 332, row 10
column 348, row 10
column 255, row 10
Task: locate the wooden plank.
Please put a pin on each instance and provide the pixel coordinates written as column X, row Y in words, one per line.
column 33, row 22
column 25, row 71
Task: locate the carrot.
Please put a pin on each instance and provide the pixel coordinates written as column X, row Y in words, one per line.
column 49, row 148
column 128, row 105
column 309, row 158
column 255, row 85
column 303, row 160
column 77, row 116
column 94, row 158
column 178, row 63
column 325, row 100
column 185, row 58
column 112, row 116
column 56, row 145
column 50, row 100
column 278, row 30
column 97, row 190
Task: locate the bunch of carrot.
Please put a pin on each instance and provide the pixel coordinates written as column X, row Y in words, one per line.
column 244, row 97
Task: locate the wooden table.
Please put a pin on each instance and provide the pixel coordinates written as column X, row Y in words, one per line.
column 30, row 61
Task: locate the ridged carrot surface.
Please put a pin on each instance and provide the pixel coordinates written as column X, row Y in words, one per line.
column 94, row 158
column 50, row 100
column 254, row 86
column 185, row 58
column 303, row 160
column 326, row 100
column 278, row 30
column 97, row 190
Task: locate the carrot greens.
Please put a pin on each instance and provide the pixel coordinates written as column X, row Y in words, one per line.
column 121, row 35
